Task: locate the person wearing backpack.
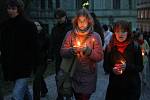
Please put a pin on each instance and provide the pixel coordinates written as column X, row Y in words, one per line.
column 58, row 32
column 123, row 62
column 85, row 45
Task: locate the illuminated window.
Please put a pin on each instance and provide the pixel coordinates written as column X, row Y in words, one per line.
column 116, row 4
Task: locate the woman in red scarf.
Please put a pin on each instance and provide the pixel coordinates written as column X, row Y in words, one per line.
column 123, row 62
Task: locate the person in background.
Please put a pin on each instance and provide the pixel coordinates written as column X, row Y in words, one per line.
column 19, row 50
column 97, row 27
column 85, row 45
column 123, row 61
column 145, row 52
column 107, row 36
column 58, row 33
column 39, row 85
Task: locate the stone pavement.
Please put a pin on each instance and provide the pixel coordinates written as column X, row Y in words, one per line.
column 102, row 82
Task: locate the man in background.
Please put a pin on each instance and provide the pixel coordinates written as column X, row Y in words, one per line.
column 57, row 35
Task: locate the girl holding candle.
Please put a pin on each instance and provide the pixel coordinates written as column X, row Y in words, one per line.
column 85, row 45
column 123, row 62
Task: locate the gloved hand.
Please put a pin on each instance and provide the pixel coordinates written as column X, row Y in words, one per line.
column 87, row 51
column 75, row 50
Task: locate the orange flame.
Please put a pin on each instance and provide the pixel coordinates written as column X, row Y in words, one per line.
column 78, row 43
column 122, row 62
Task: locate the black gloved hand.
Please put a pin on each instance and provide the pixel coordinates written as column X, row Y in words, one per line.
column 87, row 51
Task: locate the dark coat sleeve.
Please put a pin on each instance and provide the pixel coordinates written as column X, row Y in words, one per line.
column 138, row 65
column 106, row 62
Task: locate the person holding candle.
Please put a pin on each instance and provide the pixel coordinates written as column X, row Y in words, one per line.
column 123, row 61
column 145, row 52
column 85, row 45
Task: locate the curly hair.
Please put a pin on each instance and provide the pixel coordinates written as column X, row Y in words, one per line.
column 16, row 3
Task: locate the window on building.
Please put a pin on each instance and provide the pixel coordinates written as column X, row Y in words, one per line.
column 57, row 3
column 116, row 4
column 42, row 4
column 50, row 4
column 138, row 13
column 130, row 4
column 78, row 4
column 148, row 13
column 142, row 14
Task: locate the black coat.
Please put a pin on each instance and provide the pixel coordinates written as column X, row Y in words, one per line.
column 128, row 85
column 19, row 47
column 58, row 33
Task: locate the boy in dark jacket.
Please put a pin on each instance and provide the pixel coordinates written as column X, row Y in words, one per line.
column 19, row 49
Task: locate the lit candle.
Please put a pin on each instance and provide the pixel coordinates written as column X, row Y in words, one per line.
column 142, row 52
column 93, row 40
column 78, row 43
column 123, row 62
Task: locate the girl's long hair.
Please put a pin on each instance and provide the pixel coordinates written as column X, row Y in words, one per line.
column 83, row 12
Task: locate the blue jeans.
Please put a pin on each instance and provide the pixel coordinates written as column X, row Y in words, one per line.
column 21, row 89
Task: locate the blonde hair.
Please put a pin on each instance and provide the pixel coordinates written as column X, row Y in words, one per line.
column 83, row 12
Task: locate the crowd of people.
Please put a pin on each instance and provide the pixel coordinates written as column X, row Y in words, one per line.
column 75, row 47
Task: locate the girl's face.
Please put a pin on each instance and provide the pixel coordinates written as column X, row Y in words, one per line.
column 121, row 36
column 82, row 22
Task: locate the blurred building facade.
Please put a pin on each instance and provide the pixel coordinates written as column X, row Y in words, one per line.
column 107, row 11
column 143, row 17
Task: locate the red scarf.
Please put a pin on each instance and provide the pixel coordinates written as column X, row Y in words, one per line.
column 121, row 46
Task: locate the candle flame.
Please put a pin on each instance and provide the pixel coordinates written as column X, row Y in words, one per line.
column 93, row 40
column 142, row 52
column 78, row 43
column 122, row 62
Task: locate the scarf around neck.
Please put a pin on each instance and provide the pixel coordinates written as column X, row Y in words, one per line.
column 83, row 32
column 121, row 46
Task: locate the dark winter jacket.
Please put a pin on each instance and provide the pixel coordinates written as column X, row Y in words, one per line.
column 127, row 85
column 58, row 33
column 19, row 47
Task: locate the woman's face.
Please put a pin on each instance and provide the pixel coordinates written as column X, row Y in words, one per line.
column 82, row 22
column 121, row 36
